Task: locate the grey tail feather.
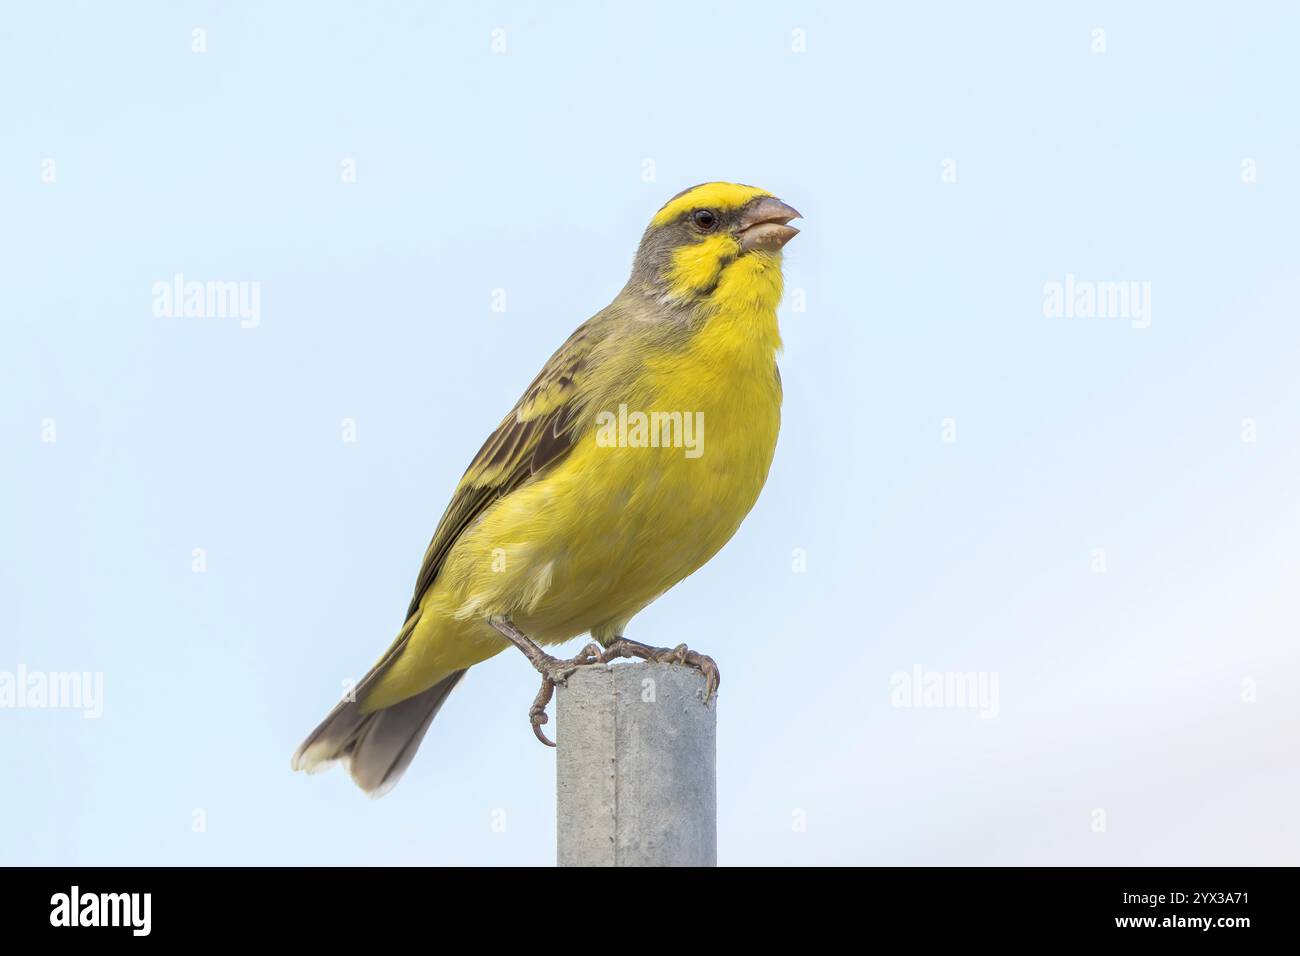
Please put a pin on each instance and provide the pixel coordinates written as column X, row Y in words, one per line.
column 379, row 746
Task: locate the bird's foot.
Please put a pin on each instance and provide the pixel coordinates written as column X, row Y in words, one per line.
column 555, row 672
column 681, row 654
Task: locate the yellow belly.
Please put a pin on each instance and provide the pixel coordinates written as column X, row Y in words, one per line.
column 608, row 529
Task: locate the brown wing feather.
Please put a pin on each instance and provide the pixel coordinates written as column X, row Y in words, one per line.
column 538, row 431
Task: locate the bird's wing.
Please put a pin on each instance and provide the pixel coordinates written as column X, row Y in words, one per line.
column 539, row 430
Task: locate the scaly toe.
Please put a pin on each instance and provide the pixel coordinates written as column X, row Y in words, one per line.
column 537, row 719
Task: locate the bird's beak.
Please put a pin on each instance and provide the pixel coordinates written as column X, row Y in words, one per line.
column 763, row 225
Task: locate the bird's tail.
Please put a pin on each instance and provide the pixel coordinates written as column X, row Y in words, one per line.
column 376, row 746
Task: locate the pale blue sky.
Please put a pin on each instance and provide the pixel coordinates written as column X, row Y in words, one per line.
column 1162, row 692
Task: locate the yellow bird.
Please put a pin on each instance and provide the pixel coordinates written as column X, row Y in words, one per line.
column 628, row 463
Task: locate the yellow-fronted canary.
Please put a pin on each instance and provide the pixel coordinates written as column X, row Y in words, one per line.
column 630, row 460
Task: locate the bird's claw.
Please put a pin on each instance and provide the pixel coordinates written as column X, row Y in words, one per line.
column 537, row 712
column 681, row 654
column 706, row 665
column 556, row 672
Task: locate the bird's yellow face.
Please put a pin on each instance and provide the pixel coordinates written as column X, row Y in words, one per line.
column 715, row 239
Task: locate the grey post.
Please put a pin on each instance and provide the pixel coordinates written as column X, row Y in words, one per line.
column 636, row 767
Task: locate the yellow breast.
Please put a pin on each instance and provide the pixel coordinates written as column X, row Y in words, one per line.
column 624, row 521
column 612, row 526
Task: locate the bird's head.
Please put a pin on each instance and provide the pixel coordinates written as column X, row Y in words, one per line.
column 716, row 238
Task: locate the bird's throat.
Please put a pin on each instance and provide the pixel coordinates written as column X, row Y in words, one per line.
column 740, row 314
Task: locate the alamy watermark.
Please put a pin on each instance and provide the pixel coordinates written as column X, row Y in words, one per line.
column 182, row 299
column 53, row 690
column 972, row 690
column 626, row 429
column 1091, row 299
column 130, row 910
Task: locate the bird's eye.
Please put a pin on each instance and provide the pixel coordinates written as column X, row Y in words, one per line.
column 706, row 220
